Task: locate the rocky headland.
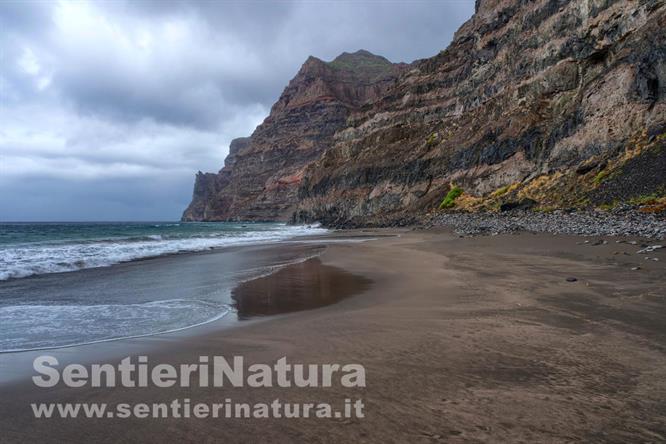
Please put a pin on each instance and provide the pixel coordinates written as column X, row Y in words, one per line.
column 262, row 173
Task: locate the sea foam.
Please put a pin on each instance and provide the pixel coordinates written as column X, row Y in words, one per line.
column 17, row 261
column 31, row 327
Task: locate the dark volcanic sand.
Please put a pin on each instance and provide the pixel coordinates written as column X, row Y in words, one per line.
column 463, row 340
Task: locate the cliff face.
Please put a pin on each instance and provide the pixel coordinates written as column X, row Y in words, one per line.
column 532, row 102
column 262, row 173
column 546, row 103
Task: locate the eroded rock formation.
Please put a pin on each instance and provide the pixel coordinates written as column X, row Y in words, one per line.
column 262, row 173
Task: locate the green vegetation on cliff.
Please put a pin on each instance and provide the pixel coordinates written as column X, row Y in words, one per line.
column 450, row 199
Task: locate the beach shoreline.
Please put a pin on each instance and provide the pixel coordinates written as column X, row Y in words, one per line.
column 504, row 338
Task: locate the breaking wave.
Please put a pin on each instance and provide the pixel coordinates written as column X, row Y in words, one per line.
column 22, row 260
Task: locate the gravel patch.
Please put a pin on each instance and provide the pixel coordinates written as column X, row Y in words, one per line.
column 587, row 223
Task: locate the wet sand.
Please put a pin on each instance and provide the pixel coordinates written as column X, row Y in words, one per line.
column 303, row 286
column 463, row 340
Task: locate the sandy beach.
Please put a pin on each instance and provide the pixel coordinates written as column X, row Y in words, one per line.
column 508, row 338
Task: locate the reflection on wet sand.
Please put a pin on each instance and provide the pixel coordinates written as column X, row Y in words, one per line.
column 302, row 286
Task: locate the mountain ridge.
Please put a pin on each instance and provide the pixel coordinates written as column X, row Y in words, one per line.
column 262, row 173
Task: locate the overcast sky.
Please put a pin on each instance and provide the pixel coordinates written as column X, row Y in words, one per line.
column 108, row 109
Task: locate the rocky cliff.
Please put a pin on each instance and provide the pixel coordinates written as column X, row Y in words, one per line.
column 262, row 173
column 544, row 104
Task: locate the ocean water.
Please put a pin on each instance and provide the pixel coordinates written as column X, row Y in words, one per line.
column 37, row 248
column 58, row 286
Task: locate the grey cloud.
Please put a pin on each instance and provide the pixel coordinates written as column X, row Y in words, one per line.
column 24, row 16
column 264, row 44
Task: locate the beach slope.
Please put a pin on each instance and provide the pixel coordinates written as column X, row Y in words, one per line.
column 509, row 338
